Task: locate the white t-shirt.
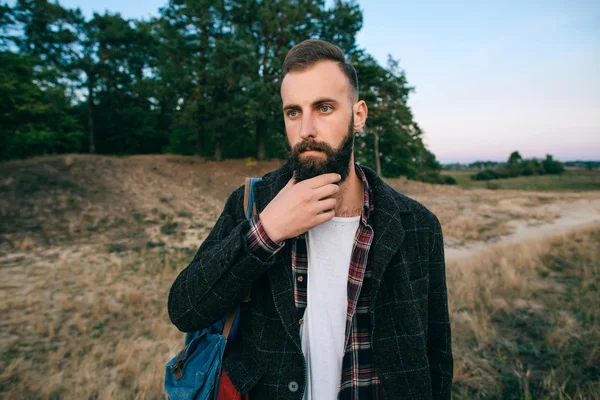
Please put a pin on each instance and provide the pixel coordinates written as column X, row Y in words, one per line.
column 323, row 330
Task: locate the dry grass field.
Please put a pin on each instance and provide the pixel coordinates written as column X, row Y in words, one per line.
column 89, row 247
column 574, row 179
column 526, row 319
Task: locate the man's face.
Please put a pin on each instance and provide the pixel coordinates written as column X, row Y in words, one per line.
column 319, row 120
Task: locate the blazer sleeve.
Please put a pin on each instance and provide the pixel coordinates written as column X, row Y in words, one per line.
column 439, row 340
column 220, row 274
column 259, row 243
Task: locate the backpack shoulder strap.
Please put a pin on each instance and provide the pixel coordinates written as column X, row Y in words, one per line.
column 249, row 212
column 249, row 205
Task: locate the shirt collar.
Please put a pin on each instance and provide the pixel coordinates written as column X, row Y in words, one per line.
column 367, row 194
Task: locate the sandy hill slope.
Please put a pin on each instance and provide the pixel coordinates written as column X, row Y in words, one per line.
column 127, row 203
column 75, row 198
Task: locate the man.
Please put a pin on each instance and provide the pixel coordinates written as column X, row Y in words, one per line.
column 346, row 275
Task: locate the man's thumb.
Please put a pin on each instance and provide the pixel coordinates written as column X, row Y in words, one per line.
column 291, row 183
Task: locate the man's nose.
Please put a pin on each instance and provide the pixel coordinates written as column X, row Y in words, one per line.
column 307, row 127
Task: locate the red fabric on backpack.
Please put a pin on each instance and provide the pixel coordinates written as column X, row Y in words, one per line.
column 227, row 391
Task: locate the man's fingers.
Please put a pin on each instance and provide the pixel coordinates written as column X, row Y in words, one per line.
column 328, row 190
column 324, row 216
column 323, row 180
column 290, row 183
column 326, row 205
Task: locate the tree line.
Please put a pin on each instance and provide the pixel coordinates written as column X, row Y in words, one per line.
column 200, row 78
column 519, row 166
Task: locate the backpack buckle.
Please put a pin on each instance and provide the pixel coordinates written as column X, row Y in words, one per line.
column 176, row 368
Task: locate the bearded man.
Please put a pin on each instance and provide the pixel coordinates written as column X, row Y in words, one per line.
column 346, row 275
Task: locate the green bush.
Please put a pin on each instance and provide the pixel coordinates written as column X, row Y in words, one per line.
column 431, row 177
column 449, row 180
column 552, row 166
column 485, row 175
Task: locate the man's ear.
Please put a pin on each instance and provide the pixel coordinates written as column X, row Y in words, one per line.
column 361, row 112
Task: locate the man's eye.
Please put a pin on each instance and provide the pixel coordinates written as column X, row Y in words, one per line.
column 325, row 108
column 292, row 113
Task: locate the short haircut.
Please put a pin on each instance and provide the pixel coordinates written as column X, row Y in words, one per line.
column 307, row 53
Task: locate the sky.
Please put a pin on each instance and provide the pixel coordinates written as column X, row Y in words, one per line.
column 489, row 78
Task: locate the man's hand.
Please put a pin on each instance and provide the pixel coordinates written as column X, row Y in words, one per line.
column 299, row 207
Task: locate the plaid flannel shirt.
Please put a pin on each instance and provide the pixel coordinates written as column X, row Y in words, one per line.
column 359, row 376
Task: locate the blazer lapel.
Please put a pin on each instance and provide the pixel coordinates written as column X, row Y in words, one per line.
column 387, row 226
column 280, row 275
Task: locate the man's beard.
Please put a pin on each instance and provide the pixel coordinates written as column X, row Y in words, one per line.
column 335, row 161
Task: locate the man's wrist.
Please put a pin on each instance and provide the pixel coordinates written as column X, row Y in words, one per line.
column 268, row 228
column 259, row 242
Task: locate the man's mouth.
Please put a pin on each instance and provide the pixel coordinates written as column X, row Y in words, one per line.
column 311, row 152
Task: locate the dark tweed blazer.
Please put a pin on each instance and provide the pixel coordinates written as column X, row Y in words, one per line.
column 410, row 333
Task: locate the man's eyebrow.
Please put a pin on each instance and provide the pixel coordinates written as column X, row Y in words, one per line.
column 314, row 104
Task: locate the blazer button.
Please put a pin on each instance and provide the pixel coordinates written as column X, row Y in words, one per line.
column 293, row 386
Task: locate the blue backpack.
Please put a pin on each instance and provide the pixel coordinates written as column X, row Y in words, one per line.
column 195, row 371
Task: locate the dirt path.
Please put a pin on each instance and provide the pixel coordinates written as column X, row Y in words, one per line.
column 585, row 212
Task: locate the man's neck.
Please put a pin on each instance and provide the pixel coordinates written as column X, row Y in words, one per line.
column 350, row 197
